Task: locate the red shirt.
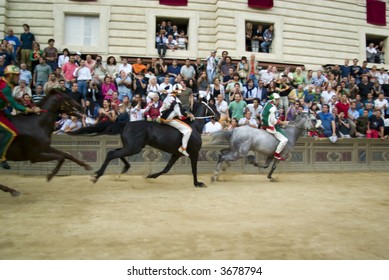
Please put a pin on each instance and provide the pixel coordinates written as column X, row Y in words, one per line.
column 343, row 107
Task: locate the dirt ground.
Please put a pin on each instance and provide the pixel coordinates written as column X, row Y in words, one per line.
column 302, row 216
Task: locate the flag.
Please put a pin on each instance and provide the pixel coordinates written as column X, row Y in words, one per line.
column 376, row 12
column 174, row 2
column 262, row 4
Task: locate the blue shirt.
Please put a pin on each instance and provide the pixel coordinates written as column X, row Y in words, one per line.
column 13, row 40
column 326, row 119
column 171, row 69
column 27, row 39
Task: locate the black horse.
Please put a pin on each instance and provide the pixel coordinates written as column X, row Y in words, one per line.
column 34, row 139
column 136, row 135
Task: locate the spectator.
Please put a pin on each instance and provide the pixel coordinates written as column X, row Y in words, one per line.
column 255, row 108
column 182, row 40
column 217, row 88
column 381, row 104
column 51, row 83
column 160, row 70
column 63, row 58
column 91, row 113
column 199, row 67
column 355, row 71
column 203, row 85
column 90, row 63
column 266, row 76
column 381, row 52
column 20, row 90
column 99, row 70
column 361, row 124
column 252, row 70
column 257, row 38
column 320, row 80
column 68, row 70
column 139, row 67
column 108, row 87
column 249, row 35
column 153, row 107
column 94, row 94
column 13, row 41
column 136, row 111
column 292, row 111
column 298, row 77
column 233, row 124
column 188, row 71
column 375, row 126
column 343, row 126
column 327, row 94
column 268, row 36
column 242, row 67
column 25, row 74
column 345, row 69
column 83, row 75
column 262, row 93
column 212, row 126
column 222, row 108
column 212, row 63
column 328, row 121
column 171, row 44
column 229, row 78
column 41, row 73
column 38, row 95
column 173, row 70
column 111, row 67
column 371, row 53
column 186, row 97
column 161, row 41
column 50, row 53
column 27, row 40
column 237, row 107
column 124, row 82
column 165, row 88
column 365, row 87
column 224, row 70
column 76, row 95
column 125, row 66
column 231, row 87
column 140, row 85
column 250, row 92
column 152, row 86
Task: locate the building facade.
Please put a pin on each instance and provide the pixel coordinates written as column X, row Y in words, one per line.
column 309, row 32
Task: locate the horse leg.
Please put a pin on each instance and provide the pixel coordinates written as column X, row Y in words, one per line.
column 11, row 191
column 251, row 160
column 71, row 158
column 193, row 161
column 224, row 157
column 274, row 166
column 127, row 165
column 118, row 153
column 169, row 165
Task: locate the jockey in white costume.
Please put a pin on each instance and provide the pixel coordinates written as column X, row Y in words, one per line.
column 171, row 114
column 271, row 124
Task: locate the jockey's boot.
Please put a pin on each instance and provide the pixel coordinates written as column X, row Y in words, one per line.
column 182, row 150
column 278, row 156
column 5, row 165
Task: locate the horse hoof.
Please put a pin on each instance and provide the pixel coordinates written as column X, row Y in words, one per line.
column 15, row 193
column 125, row 169
column 200, row 185
column 94, row 178
column 271, row 179
column 214, row 178
column 49, row 177
column 88, row 167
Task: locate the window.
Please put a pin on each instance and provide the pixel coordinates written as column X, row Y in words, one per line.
column 377, row 41
column 178, row 27
column 87, row 30
column 257, row 30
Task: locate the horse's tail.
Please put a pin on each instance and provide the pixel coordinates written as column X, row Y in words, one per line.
column 220, row 136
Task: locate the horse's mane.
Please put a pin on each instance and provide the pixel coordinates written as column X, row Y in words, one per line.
column 48, row 96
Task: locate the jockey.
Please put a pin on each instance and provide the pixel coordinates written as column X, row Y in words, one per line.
column 7, row 130
column 172, row 114
column 271, row 123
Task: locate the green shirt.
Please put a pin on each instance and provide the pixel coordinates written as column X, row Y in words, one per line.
column 237, row 109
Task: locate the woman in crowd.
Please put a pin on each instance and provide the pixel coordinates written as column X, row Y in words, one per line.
column 112, row 68
column 108, row 88
column 63, row 58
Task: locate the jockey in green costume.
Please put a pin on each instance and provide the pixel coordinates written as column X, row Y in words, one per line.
column 8, row 131
column 272, row 125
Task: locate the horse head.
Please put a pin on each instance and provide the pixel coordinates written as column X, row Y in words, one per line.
column 305, row 121
column 207, row 110
column 63, row 103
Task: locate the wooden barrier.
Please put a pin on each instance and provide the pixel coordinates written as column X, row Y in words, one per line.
column 309, row 155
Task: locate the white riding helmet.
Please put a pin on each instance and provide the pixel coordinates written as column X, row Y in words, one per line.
column 152, row 94
column 276, row 96
column 177, row 88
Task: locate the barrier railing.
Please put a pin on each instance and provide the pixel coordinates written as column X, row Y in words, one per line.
column 309, row 155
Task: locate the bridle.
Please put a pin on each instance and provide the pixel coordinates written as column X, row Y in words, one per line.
column 208, row 108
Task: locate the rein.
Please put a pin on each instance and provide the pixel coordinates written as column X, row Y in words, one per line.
column 206, row 117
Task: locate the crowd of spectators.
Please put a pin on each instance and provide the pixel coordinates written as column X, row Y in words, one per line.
column 350, row 100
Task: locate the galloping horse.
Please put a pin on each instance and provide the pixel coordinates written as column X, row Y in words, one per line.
column 136, row 135
column 244, row 139
column 34, row 139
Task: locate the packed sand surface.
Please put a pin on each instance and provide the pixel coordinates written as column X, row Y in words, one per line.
column 301, row 216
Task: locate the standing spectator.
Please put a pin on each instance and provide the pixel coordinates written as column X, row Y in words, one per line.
column 371, row 53
column 67, row 71
column 266, row 75
column 255, row 108
column 345, row 69
column 298, row 77
column 199, row 67
column 152, row 86
column 51, row 83
column 140, row 86
column 381, row 52
column 160, row 70
column 365, row 88
column 83, row 75
column 268, row 36
column 108, row 88
column 222, row 108
column 50, row 53
column 216, row 88
column 41, row 73
column 165, row 88
column 27, row 40
column 355, row 71
column 90, row 63
column 34, row 56
column 186, row 97
column 212, row 63
column 253, row 70
column 139, row 67
column 63, row 58
column 250, row 91
column 212, row 126
column 320, row 80
column 153, row 107
column 375, row 126
column 182, row 40
column 187, row 71
column 161, row 41
column 262, row 93
column 343, row 126
column 257, row 38
column 38, row 95
column 25, row 74
column 76, row 95
column 124, row 85
column 328, row 121
column 99, row 69
column 13, row 41
column 125, row 66
column 249, row 34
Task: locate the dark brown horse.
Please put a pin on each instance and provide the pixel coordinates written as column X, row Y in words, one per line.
column 34, row 140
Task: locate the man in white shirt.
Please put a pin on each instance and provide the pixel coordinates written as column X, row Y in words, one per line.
column 222, row 108
column 187, row 71
column 255, row 110
column 211, row 66
column 212, row 126
column 248, row 120
column 126, row 67
column 165, row 88
column 83, row 75
column 381, row 103
column 371, row 53
column 266, row 75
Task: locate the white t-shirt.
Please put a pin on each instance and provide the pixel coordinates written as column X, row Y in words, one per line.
column 212, row 127
column 327, row 96
column 378, row 104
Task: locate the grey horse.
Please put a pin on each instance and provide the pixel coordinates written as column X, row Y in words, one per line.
column 244, row 139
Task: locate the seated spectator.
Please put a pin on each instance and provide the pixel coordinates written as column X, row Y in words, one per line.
column 212, row 126
column 139, row 67
column 26, row 101
column 266, row 76
column 153, row 107
column 152, row 86
column 187, row 71
column 160, row 70
column 222, row 108
column 320, row 80
column 137, row 111
column 186, row 97
column 20, row 90
column 140, row 84
column 361, row 124
column 250, row 92
column 343, row 126
column 328, row 121
column 216, row 88
column 298, row 77
column 224, row 70
column 233, row 124
column 38, row 95
column 381, row 104
column 63, row 58
column 375, row 126
column 203, row 86
column 108, row 88
column 268, row 36
column 93, row 92
column 252, row 115
column 91, row 113
column 51, row 83
column 73, row 125
column 231, row 86
column 229, row 78
column 171, row 44
column 292, row 111
column 61, row 124
column 165, row 88
column 90, row 63
column 115, row 102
